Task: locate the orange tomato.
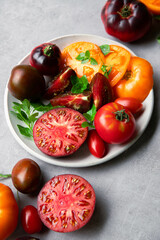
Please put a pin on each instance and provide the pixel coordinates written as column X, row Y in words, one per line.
column 8, row 212
column 118, row 60
column 152, row 5
column 137, row 81
column 70, row 53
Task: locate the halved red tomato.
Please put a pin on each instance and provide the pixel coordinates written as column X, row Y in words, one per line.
column 58, row 132
column 66, row 203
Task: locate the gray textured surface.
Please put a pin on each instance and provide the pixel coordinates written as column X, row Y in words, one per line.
column 128, row 187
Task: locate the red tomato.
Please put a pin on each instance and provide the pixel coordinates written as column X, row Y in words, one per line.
column 31, row 222
column 132, row 104
column 58, row 132
column 96, row 145
column 66, row 203
column 114, row 124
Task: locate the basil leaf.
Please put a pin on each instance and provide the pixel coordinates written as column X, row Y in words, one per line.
column 25, row 131
column 93, row 61
column 17, row 115
column 87, row 124
column 105, row 49
column 85, row 61
column 79, row 84
column 81, row 56
column 90, row 114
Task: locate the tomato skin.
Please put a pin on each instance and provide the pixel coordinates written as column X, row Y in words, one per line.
column 111, row 129
column 8, row 212
column 31, row 222
column 132, row 104
column 26, row 82
column 127, row 20
column 96, row 145
column 46, row 58
column 26, row 176
column 137, row 81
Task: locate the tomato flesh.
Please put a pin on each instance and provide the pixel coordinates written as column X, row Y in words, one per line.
column 58, row 132
column 66, row 203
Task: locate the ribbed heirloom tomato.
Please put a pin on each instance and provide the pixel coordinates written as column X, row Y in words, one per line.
column 8, row 212
column 114, row 124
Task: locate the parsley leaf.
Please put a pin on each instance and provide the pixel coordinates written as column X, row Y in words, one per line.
column 79, row 84
column 28, row 113
column 90, row 117
column 105, row 49
column 84, row 57
column 104, row 69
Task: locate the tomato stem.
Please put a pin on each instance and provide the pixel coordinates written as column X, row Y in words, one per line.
column 5, row 175
column 121, row 115
column 48, row 51
column 125, row 11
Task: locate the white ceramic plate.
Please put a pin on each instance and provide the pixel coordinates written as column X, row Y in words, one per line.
column 81, row 158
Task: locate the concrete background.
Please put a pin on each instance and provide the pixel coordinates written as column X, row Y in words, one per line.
column 127, row 187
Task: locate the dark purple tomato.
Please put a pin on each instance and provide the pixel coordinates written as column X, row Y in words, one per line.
column 96, row 145
column 46, row 58
column 127, row 20
column 30, row 220
column 26, row 82
column 26, row 176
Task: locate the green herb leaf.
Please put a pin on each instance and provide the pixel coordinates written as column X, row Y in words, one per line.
column 90, row 114
column 93, row 61
column 40, row 107
column 105, row 49
column 157, row 17
column 87, row 124
column 106, row 72
column 79, row 84
column 84, row 57
column 158, row 39
column 25, row 131
column 17, row 115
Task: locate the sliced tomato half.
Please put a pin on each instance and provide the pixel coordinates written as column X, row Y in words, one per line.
column 66, row 203
column 58, row 132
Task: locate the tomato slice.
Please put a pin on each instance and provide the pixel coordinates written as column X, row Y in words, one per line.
column 70, row 53
column 118, row 60
column 66, row 203
column 58, row 132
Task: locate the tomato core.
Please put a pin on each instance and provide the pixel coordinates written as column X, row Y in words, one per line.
column 125, row 11
column 48, row 51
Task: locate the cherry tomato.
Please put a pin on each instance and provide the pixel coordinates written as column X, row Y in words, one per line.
column 137, row 81
column 26, row 176
column 66, row 203
column 127, row 20
column 46, row 58
column 114, row 124
column 30, row 219
column 96, row 145
column 26, row 82
column 58, row 132
column 132, row 104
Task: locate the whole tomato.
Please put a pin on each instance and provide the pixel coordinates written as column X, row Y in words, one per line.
column 30, row 219
column 127, row 20
column 8, row 212
column 96, row 145
column 26, row 82
column 46, row 58
column 26, row 176
column 132, row 104
column 137, row 81
column 114, row 124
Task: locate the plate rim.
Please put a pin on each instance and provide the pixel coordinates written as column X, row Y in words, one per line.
column 82, row 164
